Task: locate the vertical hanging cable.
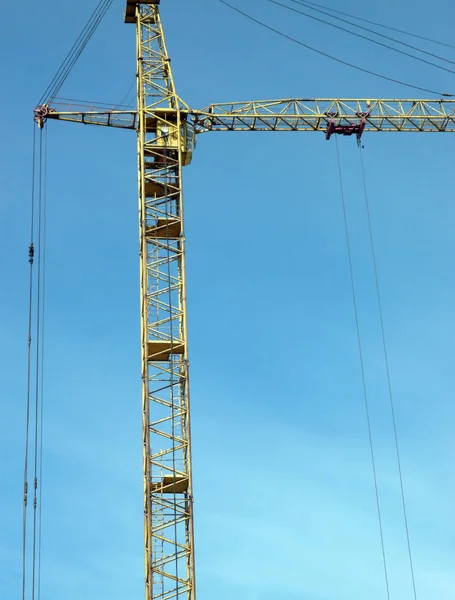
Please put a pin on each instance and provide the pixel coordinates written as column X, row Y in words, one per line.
column 386, row 361
column 38, row 357
column 40, row 457
column 365, row 395
column 35, row 374
column 31, row 252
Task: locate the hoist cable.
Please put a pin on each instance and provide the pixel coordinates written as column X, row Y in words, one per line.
column 37, row 360
column 40, row 459
column 420, row 37
column 386, row 361
column 359, row 35
column 29, row 367
column 75, row 51
column 362, row 368
column 338, row 60
column 382, row 35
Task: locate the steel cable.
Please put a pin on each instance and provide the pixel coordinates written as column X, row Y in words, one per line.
column 76, row 50
column 31, row 252
column 389, row 27
column 334, row 58
column 37, row 362
column 387, row 37
column 359, row 35
column 79, row 51
column 386, row 361
column 127, row 95
column 50, row 90
column 362, row 368
column 33, row 435
column 41, row 419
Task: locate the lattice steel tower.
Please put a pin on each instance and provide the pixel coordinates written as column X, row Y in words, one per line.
column 164, row 147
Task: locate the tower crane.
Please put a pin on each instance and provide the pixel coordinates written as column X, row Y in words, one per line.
column 167, row 129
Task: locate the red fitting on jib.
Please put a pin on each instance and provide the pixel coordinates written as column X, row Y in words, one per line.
column 40, row 114
column 345, row 129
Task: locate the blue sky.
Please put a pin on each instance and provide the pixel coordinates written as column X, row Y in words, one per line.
column 283, row 485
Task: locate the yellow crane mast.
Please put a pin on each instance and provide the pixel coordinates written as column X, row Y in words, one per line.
column 166, row 133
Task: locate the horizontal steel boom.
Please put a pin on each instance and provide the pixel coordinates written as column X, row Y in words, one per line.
column 293, row 115
column 316, row 115
column 107, row 118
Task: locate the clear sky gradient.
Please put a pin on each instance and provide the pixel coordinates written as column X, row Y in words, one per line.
column 284, row 494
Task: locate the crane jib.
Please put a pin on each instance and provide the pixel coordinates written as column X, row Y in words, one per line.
column 330, row 116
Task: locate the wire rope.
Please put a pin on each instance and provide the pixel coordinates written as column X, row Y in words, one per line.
column 420, row 37
column 79, row 51
column 330, row 56
column 74, row 53
column 79, row 46
column 37, row 363
column 41, row 417
column 34, row 423
column 91, row 103
column 50, row 90
column 387, row 37
column 127, row 95
column 386, row 361
column 31, row 252
column 359, row 35
column 362, row 368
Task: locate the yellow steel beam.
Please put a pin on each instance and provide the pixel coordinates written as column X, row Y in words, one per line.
column 113, row 118
column 410, row 115
column 168, row 494
column 315, row 115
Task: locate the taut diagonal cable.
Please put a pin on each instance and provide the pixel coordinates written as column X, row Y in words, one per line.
column 362, row 368
column 389, row 384
column 76, row 50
